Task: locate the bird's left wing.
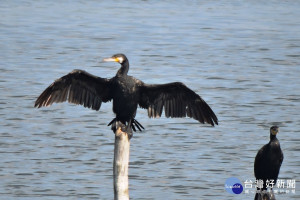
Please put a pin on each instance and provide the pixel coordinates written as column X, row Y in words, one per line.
column 281, row 158
column 78, row 87
column 178, row 101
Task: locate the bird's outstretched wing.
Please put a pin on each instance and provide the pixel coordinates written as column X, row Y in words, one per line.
column 178, row 101
column 78, row 87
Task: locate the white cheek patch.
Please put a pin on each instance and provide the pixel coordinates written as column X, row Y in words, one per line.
column 120, row 59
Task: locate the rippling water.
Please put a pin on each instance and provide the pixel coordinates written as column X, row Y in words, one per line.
column 241, row 57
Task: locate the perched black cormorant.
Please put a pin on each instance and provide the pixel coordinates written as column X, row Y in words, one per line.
column 127, row 92
column 268, row 161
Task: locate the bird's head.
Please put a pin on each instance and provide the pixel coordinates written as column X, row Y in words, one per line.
column 120, row 58
column 274, row 130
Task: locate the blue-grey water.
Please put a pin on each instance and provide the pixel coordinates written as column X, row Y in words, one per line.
column 242, row 57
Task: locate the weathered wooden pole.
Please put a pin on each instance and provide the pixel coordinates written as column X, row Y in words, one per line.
column 262, row 195
column 121, row 161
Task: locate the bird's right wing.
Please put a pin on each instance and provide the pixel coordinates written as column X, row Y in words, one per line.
column 258, row 172
column 78, row 87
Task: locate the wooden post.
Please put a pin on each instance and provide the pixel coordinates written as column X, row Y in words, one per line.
column 121, row 162
column 262, row 195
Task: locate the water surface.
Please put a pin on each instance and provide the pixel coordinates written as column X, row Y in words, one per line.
column 241, row 57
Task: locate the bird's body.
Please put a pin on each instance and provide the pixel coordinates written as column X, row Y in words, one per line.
column 268, row 161
column 125, row 97
column 127, row 93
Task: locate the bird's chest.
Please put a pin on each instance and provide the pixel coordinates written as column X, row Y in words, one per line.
column 125, row 98
column 125, row 89
column 125, row 92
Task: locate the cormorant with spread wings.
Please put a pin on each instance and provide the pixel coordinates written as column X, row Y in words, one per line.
column 127, row 92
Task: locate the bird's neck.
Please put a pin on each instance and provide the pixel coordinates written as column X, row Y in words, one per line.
column 272, row 137
column 124, row 69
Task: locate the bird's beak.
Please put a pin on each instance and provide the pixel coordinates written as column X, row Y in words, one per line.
column 111, row 60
